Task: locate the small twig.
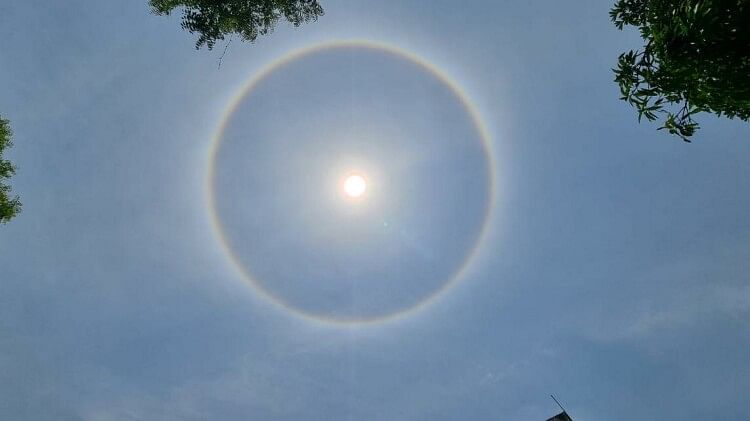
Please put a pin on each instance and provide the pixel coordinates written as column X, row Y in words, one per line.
column 225, row 51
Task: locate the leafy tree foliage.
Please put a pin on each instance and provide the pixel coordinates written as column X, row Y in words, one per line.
column 696, row 58
column 212, row 20
column 9, row 206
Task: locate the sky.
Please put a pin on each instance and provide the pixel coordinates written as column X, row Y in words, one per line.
column 611, row 270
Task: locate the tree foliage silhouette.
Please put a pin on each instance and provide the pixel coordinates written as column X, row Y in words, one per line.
column 213, row 20
column 696, row 58
column 9, row 206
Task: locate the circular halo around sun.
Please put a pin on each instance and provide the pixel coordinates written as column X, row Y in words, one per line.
column 354, row 186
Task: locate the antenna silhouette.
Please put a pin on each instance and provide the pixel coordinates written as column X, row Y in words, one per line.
column 558, row 403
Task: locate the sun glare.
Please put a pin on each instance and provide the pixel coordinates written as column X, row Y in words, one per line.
column 355, row 186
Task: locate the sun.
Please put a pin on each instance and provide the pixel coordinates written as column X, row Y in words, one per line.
column 355, row 186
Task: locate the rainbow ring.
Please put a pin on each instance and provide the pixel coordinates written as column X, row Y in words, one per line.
column 278, row 301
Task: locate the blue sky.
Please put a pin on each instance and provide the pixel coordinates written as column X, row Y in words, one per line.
column 614, row 275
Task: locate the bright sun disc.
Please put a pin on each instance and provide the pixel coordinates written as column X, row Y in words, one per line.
column 355, row 186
